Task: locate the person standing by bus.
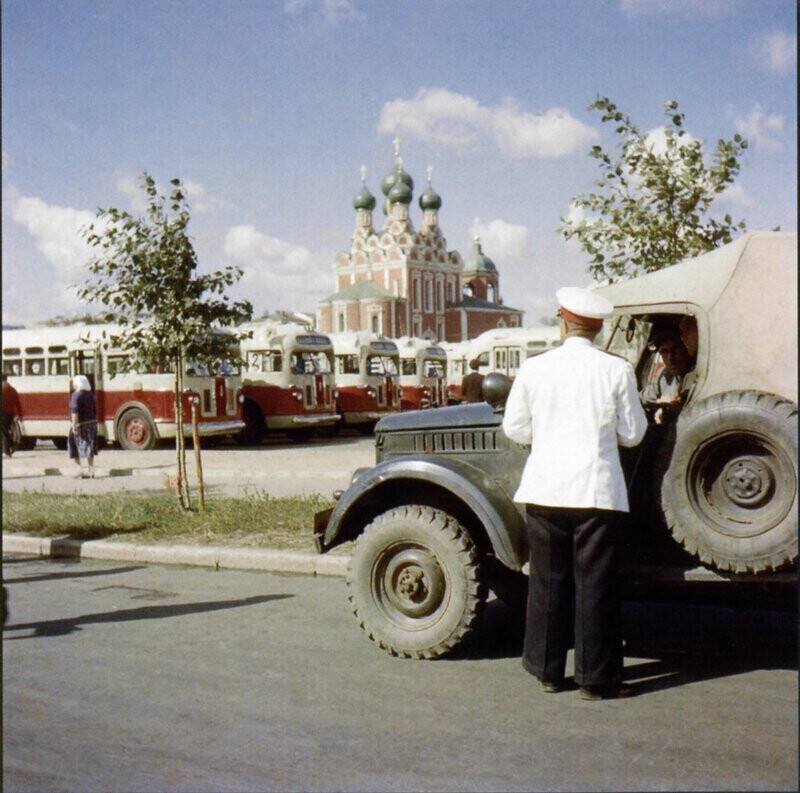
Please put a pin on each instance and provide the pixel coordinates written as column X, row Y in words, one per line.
column 472, row 384
column 10, row 406
column 82, row 439
column 574, row 405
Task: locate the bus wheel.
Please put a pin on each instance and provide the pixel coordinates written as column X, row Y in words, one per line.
column 301, row 435
column 253, row 432
column 729, row 493
column 135, row 430
column 60, row 444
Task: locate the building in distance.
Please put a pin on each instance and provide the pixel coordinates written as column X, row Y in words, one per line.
column 398, row 281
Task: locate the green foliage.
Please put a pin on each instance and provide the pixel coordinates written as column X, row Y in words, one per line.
column 145, row 272
column 652, row 205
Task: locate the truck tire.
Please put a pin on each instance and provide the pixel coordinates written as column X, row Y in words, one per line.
column 729, row 491
column 136, row 431
column 414, row 582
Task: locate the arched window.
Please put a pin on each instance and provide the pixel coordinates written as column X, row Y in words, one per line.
column 490, row 292
column 468, row 290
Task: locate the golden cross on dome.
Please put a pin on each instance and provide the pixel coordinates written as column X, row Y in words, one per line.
column 476, row 229
column 429, row 171
column 363, row 170
column 397, row 141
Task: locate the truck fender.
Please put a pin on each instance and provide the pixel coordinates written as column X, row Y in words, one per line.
column 502, row 520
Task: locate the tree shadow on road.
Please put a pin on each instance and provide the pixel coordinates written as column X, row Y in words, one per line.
column 63, row 627
column 60, row 575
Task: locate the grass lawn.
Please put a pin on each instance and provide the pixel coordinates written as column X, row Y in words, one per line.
column 255, row 520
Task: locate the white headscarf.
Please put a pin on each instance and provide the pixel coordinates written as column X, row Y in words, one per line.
column 81, row 383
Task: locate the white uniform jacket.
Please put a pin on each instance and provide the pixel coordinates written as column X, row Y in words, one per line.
column 574, row 405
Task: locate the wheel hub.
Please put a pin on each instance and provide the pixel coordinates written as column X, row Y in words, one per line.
column 747, row 481
column 413, row 583
column 135, row 431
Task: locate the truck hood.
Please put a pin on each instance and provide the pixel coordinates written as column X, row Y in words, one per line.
column 479, row 414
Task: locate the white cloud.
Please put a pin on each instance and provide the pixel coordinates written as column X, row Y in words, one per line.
column 502, row 241
column 775, row 51
column 762, row 130
column 331, row 11
column 436, row 115
column 683, row 8
column 57, row 234
column 736, row 197
column 277, row 274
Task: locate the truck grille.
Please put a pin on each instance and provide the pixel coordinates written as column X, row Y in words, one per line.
column 455, row 441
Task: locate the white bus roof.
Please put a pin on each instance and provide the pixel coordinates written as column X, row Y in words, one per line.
column 351, row 342
column 284, row 334
column 409, row 346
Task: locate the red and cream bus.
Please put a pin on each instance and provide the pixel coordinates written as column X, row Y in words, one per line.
column 422, row 373
column 134, row 408
column 457, row 366
column 504, row 350
column 366, row 378
column 287, row 381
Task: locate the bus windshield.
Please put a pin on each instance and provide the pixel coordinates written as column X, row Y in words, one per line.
column 381, row 364
column 310, row 363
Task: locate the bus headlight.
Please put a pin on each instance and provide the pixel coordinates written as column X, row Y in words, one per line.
column 372, row 393
column 298, row 396
column 240, row 399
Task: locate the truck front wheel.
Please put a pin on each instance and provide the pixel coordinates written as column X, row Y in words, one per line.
column 414, row 582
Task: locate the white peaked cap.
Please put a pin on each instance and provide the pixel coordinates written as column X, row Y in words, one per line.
column 584, row 303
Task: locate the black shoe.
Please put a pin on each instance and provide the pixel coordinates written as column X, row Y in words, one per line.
column 595, row 693
column 552, row 686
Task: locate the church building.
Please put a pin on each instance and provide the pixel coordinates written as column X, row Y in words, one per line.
column 402, row 282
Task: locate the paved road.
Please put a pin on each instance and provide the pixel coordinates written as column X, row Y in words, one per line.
column 278, row 467
column 129, row 677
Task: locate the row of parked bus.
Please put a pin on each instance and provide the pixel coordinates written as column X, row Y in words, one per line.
column 284, row 378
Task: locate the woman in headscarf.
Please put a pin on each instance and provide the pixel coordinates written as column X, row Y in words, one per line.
column 82, row 441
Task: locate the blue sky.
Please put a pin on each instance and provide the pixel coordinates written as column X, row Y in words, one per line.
column 266, row 109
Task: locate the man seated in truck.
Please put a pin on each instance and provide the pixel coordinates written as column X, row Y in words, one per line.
column 666, row 393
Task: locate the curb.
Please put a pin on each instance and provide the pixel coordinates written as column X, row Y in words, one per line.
column 266, row 559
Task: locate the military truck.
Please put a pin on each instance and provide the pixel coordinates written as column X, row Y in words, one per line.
column 714, row 492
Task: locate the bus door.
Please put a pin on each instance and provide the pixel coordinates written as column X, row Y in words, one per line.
column 220, row 395
column 86, row 361
column 319, row 388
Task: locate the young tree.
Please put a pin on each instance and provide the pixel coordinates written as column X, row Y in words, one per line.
column 652, row 206
column 145, row 271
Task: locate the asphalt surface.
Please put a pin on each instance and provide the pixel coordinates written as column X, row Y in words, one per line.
column 121, row 676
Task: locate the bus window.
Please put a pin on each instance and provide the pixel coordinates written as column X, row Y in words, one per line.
column 322, row 363
column 434, row 369
column 58, row 366
column 513, row 360
column 226, row 368
column 346, row 364
column 408, row 366
column 500, row 360
column 483, row 359
column 116, row 364
column 12, row 366
column 381, row 364
column 34, row 366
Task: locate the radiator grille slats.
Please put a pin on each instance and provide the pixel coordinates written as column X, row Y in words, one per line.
column 455, row 441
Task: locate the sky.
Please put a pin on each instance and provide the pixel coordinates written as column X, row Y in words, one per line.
column 267, row 109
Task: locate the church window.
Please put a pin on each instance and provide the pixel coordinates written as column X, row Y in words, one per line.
column 341, row 325
column 468, row 290
column 490, row 293
column 451, row 292
column 417, row 297
column 428, row 296
column 439, row 296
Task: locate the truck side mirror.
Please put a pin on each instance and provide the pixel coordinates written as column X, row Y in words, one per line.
column 495, row 389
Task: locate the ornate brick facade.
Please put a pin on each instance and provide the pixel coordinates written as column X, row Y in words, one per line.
column 403, row 282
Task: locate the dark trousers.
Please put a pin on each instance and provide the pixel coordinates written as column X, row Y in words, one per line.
column 573, row 595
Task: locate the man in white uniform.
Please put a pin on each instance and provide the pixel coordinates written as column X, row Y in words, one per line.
column 574, row 405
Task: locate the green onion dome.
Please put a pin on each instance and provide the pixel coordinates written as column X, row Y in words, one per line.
column 478, row 261
column 400, row 192
column 430, row 199
column 396, row 174
column 364, row 199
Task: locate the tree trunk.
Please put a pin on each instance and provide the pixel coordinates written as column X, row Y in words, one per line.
column 180, row 441
column 198, row 462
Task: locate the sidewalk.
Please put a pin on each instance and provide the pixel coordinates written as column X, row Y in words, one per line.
column 264, row 559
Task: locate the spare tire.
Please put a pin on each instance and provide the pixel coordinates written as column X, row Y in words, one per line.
column 729, row 491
